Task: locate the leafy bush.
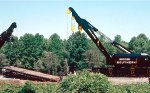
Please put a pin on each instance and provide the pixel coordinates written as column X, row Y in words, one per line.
column 27, row 88
column 55, row 88
column 46, row 88
column 8, row 88
column 30, row 87
column 85, row 82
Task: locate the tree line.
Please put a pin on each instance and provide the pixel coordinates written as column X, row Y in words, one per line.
column 54, row 55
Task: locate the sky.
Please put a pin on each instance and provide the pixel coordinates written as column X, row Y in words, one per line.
column 127, row 18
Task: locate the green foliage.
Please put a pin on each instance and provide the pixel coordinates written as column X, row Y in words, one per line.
column 28, row 52
column 27, row 88
column 25, row 51
column 111, row 49
column 139, row 44
column 118, row 38
column 38, row 66
column 85, row 82
column 46, row 88
column 76, row 45
column 149, row 47
column 3, row 60
column 79, row 51
column 56, row 88
column 31, row 49
column 65, row 68
column 49, row 63
column 132, row 88
column 30, row 87
column 11, row 50
column 93, row 56
column 55, row 44
column 7, row 88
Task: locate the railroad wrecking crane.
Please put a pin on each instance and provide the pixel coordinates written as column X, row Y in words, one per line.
column 6, row 35
column 127, row 63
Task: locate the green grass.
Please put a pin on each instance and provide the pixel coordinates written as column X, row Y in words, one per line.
column 52, row 88
column 132, row 88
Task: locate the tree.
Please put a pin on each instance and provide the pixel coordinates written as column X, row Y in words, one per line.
column 31, row 49
column 76, row 46
column 38, row 66
column 118, row 38
column 48, row 63
column 110, row 48
column 94, row 56
column 143, row 36
column 139, row 44
column 11, row 50
column 3, row 60
column 149, row 47
column 107, row 45
column 66, row 67
column 55, row 44
column 132, row 43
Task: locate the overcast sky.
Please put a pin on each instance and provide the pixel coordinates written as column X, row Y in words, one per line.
column 127, row 18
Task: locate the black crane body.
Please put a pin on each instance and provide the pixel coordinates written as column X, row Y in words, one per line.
column 6, row 35
column 123, row 64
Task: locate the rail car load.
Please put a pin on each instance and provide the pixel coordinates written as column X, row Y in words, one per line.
column 127, row 63
column 6, row 35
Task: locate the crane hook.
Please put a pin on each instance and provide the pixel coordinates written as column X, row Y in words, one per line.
column 72, row 24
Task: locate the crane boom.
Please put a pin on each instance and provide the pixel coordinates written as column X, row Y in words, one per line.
column 6, row 35
column 86, row 25
column 90, row 29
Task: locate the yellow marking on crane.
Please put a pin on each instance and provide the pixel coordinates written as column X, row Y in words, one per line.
column 72, row 24
column 72, row 28
column 72, row 18
column 98, row 42
column 68, row 11
column 80, row 28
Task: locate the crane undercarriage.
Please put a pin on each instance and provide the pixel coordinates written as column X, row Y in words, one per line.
column 123, row 71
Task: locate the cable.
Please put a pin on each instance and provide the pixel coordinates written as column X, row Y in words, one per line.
column 67, row 26
column 102, row 34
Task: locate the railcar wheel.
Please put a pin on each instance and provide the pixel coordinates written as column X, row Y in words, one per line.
column 148, row 72
column 132, row 71
column 110, row 71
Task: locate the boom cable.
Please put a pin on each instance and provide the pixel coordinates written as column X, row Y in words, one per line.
column 103, row 35
column 67, row 27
